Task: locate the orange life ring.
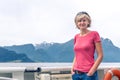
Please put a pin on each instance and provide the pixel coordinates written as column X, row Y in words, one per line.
column 112, row 72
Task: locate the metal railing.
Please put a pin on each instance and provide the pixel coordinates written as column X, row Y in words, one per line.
column 46, row 72
column 5, row 78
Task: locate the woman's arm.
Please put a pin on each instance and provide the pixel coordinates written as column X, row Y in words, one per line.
column 73, row 65
column 99, row 51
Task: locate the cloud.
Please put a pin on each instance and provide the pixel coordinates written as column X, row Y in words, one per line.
column 35, row 21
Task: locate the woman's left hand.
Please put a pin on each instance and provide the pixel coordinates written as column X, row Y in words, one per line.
column 89, row 74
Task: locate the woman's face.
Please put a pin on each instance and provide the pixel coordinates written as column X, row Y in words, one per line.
column 83, row 23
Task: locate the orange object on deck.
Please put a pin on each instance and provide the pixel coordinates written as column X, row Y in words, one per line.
column 112, row 72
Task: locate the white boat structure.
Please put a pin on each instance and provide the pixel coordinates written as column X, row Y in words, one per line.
column 44, row 71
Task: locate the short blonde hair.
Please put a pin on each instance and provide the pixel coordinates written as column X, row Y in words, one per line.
column 81, row 15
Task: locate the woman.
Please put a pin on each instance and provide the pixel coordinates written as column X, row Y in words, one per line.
column 85, row 43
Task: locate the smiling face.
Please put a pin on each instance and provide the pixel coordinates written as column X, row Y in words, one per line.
column 82, row 21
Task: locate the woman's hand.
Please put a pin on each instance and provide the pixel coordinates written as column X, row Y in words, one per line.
column 90, row 74
column 72, row 72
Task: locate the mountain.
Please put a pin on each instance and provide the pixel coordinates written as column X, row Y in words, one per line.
column 28, row 49
column 62, row 52
column 11, row 56
column 111, row 52
column 58, row 52
column 37, row 55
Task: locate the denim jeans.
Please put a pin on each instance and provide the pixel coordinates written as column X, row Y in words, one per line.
column 84, row 76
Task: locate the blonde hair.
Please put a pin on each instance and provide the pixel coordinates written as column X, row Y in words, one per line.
column 81, row 15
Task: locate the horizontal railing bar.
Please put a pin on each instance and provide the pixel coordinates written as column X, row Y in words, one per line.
column 54, row 67
column 5, row 78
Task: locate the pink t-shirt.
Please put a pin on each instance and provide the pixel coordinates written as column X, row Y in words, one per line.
column 84, row 48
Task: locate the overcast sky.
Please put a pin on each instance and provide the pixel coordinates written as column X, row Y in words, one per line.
column 35, row 21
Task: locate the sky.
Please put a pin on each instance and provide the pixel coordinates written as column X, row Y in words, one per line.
column 37, row 21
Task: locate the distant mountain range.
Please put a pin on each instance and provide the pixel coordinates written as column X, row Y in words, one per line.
column 53, row 52
column 11, row 56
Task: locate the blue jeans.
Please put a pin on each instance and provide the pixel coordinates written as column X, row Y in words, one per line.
column 84, row 76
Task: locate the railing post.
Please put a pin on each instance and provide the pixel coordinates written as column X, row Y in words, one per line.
column 101, row 74
column 18, row 75
column 45, row 76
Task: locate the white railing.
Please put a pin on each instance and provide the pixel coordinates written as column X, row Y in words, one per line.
column 4, row 78
column 42, row 71
column 17, row 72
